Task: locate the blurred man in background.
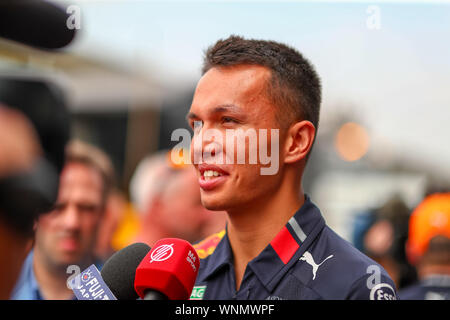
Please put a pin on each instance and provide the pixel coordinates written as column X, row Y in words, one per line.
column 381, row 233
column 167, row 199
column 428, row 248
column 66, row 235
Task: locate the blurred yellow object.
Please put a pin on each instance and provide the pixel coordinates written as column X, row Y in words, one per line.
column 127, row 230
column 431, row 218
column 178, row 160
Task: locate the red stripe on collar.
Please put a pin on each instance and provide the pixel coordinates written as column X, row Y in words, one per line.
column 284, row 245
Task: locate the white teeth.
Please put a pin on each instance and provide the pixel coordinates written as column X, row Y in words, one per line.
column 211, row 173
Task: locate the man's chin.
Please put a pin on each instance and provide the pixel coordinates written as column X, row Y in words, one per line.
column 68, row 257
column 214, row 204
column 219, row 203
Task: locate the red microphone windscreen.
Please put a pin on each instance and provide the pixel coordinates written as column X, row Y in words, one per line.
column 171, row 268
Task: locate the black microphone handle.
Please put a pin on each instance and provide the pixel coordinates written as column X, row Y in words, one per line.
column 154, row 295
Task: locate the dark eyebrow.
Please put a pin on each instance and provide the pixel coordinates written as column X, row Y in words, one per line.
column 219, row 109
column 226, row 107
column 190, row 116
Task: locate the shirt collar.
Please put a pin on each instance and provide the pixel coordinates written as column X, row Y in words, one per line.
column 33, row 283
column 221, row 258
column 282, row 252
column 27, row 286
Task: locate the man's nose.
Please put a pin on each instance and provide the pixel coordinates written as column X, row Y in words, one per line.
column 71, row 218
column 208, row 145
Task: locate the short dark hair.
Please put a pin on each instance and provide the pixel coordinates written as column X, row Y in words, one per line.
column 294, row 82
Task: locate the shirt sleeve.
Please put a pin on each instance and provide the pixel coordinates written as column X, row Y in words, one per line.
column 373, row 287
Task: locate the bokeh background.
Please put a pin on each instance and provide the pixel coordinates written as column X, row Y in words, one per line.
column 129, row 76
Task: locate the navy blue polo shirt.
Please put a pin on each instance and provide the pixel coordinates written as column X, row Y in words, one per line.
column 306, row 260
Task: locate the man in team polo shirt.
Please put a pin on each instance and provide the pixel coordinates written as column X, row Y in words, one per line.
column 276, row 244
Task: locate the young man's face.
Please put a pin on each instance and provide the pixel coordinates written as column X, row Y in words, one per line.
column 67, row 234
column 233, row 98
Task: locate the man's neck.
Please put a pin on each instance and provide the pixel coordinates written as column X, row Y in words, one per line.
column 52, row 280
column 251, row 229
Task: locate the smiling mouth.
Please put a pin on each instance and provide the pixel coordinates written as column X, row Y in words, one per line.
column 211, row 174
column 211, row 177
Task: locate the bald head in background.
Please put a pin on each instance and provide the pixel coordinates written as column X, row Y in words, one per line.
column 167, row 199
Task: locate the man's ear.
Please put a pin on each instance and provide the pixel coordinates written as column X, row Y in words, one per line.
column 299, row 139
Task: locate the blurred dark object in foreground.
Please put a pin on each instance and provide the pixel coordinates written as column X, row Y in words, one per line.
column 35, row 23
column 26, row 192
column 44, row 104
column 24, row 195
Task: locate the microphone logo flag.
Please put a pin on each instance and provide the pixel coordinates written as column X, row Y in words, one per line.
column 86, row 276
column 92, row 286
column 161, row 253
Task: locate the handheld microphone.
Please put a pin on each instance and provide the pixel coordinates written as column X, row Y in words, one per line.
column 118, row 272
column 32, row 22
column 116, row 279
column 168, row 271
